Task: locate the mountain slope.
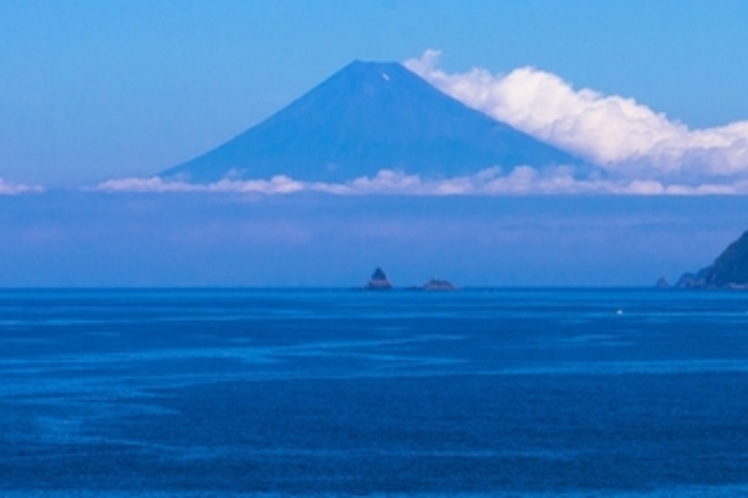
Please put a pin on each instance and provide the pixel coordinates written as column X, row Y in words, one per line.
column 367, row 117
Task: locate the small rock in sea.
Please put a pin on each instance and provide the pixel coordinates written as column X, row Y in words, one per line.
column 379, row 281
column 662, row 283
column 438, row 284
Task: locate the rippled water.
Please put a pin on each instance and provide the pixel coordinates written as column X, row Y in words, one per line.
column 340, row 393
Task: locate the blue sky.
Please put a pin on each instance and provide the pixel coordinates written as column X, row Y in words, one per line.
column 92, row 91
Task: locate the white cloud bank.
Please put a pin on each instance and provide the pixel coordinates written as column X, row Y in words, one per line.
column 618, row 134
column 522, row 180
column 9, row 188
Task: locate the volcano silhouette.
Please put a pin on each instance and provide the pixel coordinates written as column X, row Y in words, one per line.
column 368, row 117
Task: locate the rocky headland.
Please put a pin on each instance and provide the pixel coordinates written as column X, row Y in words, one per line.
column 729, row 270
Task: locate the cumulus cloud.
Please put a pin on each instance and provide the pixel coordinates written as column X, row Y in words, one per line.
column 623, row 137
column 522, row 180
column 9, row 188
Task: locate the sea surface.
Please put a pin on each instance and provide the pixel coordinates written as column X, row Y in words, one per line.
column 477, row 393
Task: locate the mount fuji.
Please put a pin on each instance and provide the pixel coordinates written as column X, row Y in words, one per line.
column 368, row 117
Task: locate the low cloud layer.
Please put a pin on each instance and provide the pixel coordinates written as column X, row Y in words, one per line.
column 9, row 188
column 623, row 137
column 522, row 180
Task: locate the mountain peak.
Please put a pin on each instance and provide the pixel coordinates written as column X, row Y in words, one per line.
column 365, row 66
column 373, row 68
column 367, row 117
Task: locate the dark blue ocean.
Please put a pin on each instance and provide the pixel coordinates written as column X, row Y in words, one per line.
column 204, row 393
